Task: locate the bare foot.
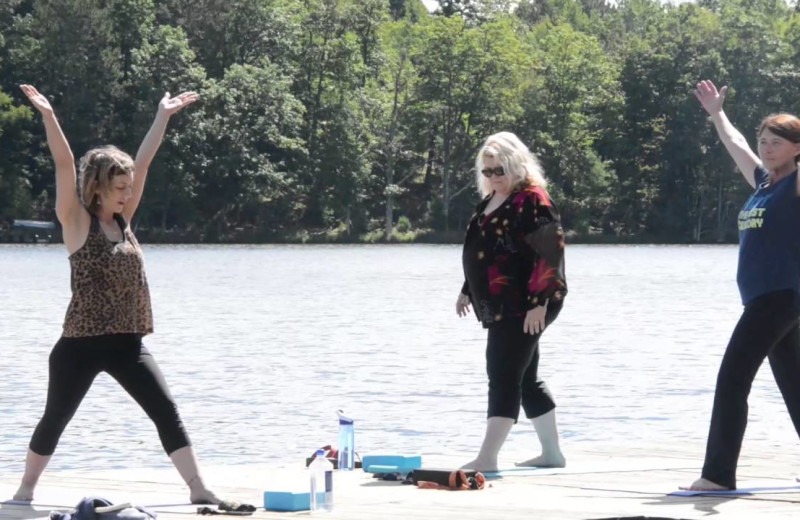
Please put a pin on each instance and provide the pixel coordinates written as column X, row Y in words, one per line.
column 204, row 496
column 544, row 461
column 702, row 484
column 24, row 493
column 483, row 466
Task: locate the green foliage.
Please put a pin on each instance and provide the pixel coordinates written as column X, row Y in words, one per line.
column 324, row 119
column 569, row 104
column 16, row 198
column 403, row 224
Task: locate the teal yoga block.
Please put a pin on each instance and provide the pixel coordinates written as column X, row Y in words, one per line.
column 382, row 464
column 287, row 501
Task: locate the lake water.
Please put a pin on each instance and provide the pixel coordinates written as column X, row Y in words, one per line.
column 261, row 344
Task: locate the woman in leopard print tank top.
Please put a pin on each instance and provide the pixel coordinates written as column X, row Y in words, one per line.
column 110, row 311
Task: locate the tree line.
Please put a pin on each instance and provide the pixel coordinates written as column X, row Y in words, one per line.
column 341, row 120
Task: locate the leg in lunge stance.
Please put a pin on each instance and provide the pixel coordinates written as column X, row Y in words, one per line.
column 186, row 464
column 139, row 374
column 34, row 467
column 784, row 360
column 72, row 368
column 764, row 324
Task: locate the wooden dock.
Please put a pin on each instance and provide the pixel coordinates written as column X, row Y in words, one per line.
column 599, row 483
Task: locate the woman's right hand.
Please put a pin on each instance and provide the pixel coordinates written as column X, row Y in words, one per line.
column 37, row 100
column 462, row 304
column 706, row 93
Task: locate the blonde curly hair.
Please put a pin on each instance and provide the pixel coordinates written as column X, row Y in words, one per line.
column 518, row 162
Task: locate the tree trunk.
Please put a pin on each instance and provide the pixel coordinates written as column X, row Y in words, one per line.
column 722, row 212
column 389, row 216
column 164, row 213
column 698, row 227
column 389, row 153
column 446, row 177
column 429, row 161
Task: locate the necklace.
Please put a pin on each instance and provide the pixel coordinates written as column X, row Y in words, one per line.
column 111, row 230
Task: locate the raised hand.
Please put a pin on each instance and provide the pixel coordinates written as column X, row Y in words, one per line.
column 37, row 100
column 706, row 92
column 170, row 105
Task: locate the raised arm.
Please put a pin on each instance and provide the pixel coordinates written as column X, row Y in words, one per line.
column 67, row 203
column 151, row 143
column 711, row 99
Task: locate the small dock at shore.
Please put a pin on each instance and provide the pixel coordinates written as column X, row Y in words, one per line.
column 631, row 482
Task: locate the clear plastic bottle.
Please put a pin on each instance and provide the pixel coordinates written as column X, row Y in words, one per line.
column 346, row 459
column 321, row 473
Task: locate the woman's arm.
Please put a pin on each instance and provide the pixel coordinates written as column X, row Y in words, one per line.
column 544, row 235
column 67, row 203
column 151, row 143
column 746, row 160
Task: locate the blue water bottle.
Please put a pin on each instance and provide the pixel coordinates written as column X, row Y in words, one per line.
column 346, row 459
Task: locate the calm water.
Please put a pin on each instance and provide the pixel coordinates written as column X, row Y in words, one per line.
column 262, row 344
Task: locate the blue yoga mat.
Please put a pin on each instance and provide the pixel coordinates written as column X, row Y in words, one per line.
column 754, row 490
column 518, row 472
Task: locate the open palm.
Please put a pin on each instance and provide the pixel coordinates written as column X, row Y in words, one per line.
column 37, row 100
column 170, row 105
column 711, row 99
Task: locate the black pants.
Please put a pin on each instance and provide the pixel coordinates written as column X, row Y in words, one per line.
column 75, row 362
column 769, row 327
column 512, row 360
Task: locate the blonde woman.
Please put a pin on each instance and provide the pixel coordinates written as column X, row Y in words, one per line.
column 110, row 311
column 513, row 262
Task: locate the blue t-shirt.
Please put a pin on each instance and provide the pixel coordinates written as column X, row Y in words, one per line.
column 769, row 238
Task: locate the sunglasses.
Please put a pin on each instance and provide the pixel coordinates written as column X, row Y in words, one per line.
column 488, row 172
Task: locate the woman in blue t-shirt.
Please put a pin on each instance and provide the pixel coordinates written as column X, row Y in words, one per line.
column 769, row 283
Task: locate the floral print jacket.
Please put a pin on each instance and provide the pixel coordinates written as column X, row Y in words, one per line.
column 514, row 257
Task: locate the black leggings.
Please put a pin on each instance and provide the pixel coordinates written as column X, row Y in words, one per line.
column 512, row 360
column 75, row 362
column 768, row 328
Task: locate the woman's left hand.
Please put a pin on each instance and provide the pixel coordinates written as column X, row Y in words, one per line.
column 170, row 105
column 534, row 320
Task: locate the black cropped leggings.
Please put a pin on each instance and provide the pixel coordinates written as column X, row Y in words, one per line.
column 512, row 362
column 75, row 362
column 769, row 328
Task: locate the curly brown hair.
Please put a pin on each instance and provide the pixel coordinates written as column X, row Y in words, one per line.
column 96, row 170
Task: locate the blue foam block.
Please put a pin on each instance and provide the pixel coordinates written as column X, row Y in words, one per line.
column 382, row 464
column 287, row 501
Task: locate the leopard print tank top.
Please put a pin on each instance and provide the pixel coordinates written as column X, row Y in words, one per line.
column 109, row 287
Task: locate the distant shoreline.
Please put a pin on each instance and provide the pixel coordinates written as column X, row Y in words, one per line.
column 177, row 238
